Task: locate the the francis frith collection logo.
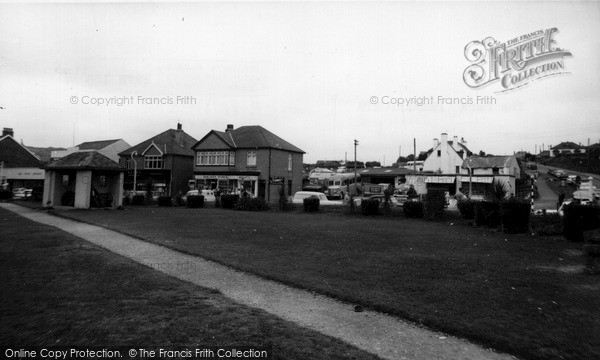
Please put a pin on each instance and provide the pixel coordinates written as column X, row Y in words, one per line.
column 516, row 62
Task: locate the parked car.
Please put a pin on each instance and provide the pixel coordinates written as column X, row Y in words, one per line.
column 22, row 193
column 393, row 200
column 209, row 195
column 301, row 195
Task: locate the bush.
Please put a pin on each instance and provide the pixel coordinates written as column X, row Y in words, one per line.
column 5, row 194
column 68, row 199
column 547, row 224
column 580, row 218
column 251, row 204
column 369, row 207
column 311, row 204
column 195, row 201
column 165, row 201
column 434, row 202
column 466, row 208
column 487, row 213
column 229, row 201
column 413, row 209
column 138, row 200
column 515, row 216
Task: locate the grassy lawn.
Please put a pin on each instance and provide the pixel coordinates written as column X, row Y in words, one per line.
column 60, row 290
column 516, row 293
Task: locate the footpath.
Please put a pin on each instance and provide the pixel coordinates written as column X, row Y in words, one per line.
column 377, row 333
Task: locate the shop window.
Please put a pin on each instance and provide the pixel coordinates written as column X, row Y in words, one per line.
column 251, row 158
column 153, row 162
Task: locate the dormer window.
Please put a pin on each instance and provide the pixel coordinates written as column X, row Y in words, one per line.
column 153, row 162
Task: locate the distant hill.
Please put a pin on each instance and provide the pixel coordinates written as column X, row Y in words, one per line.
column 588, row 162
column 43, row 152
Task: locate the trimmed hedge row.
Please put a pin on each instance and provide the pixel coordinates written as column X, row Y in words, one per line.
column 434, row 203
column 466, row 208
column 580, row 218
column 138, row 200
column 195, row 201
column 165, row 201
column 311, row 204
column 369, row 207
column 514, row 216
column 251, row 204
column 5, row 194
column 413, row 209
column 228, row 201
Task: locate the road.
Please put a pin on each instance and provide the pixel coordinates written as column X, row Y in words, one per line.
column 582, row 175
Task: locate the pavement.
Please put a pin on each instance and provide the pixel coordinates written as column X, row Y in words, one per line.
column 386, row 336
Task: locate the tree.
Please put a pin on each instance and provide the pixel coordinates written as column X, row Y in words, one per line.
column 481, row 153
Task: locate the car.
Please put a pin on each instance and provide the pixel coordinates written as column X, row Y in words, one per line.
column 209, row 195
column 22, row 193
column 393, row 200
column 301, row 195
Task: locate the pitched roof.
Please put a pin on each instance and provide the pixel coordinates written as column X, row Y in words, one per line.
column 88, row 160
column 567, row 145
column 251, row 137
column 15, row 155
column 384, row 171
column 167, row 142
column 44, row 152
column 461, row 146
column 478, row 162
column 96, row 145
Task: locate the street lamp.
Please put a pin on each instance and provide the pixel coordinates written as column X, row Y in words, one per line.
column 134, row 172
column 355, row 184
column 470, row 178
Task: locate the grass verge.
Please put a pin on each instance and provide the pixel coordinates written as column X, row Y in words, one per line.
column 60, row 290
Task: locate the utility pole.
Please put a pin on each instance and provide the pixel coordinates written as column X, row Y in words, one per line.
column 415, row 152
column 355, row 184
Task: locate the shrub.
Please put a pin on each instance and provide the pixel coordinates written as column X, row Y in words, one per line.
column 138, row 200
column 497, row 192
column 251, row 204
column 547, row 224
column 434, row 202
column 413, row 209
column 311, row 204
column 228, row 201
column 580, row 218
column 487, row 213
column 5, row 194
column 369, row 207
column 515, row 216
column 67, row 199
column 195, row 201
column 165, row 201
column 466, row 208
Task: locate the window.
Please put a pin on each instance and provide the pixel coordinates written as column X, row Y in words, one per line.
column 251, row 158
column 290, row 162
column 153, row 162
column 439, row 153
column 457, row 169
column 495, row 171
column 215, row 158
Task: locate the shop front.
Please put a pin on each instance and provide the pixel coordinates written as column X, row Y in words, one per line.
column 229, row 184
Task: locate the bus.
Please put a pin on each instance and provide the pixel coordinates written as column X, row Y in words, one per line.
column 334, row 185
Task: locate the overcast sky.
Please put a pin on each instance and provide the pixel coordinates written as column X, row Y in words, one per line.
column 308, row 72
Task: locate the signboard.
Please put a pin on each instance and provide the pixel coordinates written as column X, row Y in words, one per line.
column 418, row 182
column 440, row 179
column 478, row 179
column 225, row 177
column 279, row 180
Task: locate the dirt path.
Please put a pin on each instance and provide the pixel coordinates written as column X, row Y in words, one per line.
column 380, row 334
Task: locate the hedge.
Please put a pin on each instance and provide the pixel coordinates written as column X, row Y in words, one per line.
column 466, row 208
column 247, row 203
column 487, row 213
column 434, row 202
column 228, row 201
column 369, row 207
column 413, row 209
column 311, row 204
column 138, row 200
column 5, row 194
column 580, row 218
column 165, row 201
column 195, row 201
column 514, row 216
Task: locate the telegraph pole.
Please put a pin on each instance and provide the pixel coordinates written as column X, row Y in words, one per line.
column 355, row 184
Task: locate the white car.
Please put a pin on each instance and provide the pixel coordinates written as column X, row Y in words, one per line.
column 209, row 195
column 22, row 193
column 301, row 195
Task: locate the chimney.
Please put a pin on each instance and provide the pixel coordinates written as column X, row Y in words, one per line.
column 229, row 128
column 463, row 141
column 179, row 135
column 444, row 138
column 8, row 131
column 435, row 142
